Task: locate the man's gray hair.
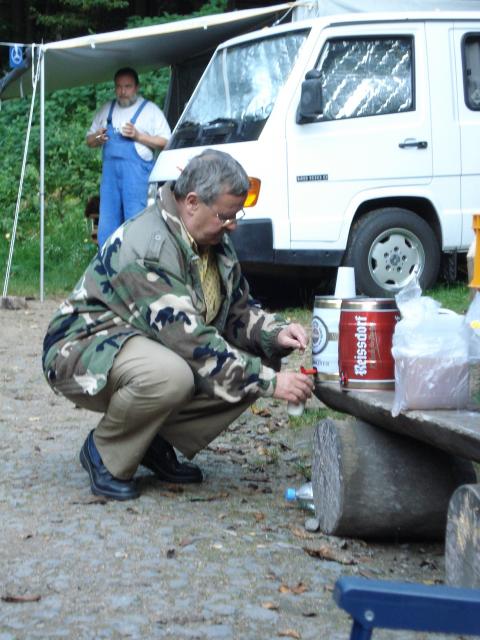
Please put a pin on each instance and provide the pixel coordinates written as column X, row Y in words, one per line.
column 211, row 174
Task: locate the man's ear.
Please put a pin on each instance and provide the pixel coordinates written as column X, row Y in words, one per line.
column 191, row 202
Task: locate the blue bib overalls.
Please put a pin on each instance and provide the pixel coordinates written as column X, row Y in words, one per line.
column 124, row 184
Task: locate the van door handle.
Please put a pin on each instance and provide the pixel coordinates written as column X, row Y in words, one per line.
column 420, row 144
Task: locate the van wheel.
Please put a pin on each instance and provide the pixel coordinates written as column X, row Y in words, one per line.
column 387, row 247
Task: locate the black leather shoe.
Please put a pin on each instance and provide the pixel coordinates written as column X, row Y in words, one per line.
column 162, row 460
column 102, row 482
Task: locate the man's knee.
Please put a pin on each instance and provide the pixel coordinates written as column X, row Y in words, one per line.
column 174, row 382
column 153, row 372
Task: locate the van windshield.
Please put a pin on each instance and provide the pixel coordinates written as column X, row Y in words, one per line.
column 237, row 93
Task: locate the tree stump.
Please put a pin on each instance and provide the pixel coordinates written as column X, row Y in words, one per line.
column 371, row 483
column 13, row 303
column 462, row 543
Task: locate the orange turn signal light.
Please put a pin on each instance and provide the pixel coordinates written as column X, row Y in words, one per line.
column 253, row 192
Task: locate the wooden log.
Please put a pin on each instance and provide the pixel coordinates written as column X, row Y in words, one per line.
column 371, row 483
column 13, row 303
column 462, row 542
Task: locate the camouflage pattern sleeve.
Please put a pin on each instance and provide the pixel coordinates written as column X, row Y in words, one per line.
column 249, row 326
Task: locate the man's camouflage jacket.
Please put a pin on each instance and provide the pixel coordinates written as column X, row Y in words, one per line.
column 146, row 281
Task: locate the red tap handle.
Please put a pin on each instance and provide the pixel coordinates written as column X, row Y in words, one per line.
column 308, row 372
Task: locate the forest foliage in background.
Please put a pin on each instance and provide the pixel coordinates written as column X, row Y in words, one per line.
column 72, row 176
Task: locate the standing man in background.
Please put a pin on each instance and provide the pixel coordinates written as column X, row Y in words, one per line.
column 129, row 129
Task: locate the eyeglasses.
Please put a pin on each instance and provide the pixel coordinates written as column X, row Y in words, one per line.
column 227, row 219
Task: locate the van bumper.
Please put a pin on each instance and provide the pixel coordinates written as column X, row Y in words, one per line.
column 253, row 241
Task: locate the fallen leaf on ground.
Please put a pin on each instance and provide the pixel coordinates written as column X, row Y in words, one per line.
column 270, row 605
column 301, row 533
column 258, row 478
column 174, row 488
column 289, row 633
column 186, row 542
column 260, row 411
column 91, row 500
column 25, row 598
column 301, row 587
column 328, row 553
column 216, row 496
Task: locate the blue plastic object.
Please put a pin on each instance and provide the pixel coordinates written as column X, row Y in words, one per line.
column 399, row 605
column 290, row 494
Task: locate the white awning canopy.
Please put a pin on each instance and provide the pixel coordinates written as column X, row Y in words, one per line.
column 95, row 58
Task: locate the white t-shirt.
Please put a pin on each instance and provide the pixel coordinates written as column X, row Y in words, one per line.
column 150, row 121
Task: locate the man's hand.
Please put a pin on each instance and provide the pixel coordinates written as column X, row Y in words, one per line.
column 154, row 142
column 294, row 387
column 293, row 337
column 129, row 131
column 98, row 138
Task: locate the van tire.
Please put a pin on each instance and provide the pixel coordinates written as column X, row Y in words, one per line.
column 386, row 248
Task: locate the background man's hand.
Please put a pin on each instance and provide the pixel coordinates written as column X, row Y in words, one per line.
column 293, row 337
column 294, row 387
column 98, row 138
column 129, row 131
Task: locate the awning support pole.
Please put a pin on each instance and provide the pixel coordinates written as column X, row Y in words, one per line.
column 42, row 171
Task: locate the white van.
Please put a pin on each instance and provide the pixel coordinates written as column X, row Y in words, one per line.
column 364, row 129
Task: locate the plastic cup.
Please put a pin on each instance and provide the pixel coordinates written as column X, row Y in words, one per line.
column 295, row 409
column 345, row 285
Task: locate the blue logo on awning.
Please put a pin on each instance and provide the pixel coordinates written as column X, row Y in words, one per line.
column 16, row 56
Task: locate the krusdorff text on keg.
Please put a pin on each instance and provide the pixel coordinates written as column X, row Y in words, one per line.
column 360, row 366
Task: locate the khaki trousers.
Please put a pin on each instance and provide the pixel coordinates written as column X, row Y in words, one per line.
column 150, row 390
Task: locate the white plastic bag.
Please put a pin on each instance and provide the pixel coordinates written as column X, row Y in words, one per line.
column 472, row 320
column 430, row 349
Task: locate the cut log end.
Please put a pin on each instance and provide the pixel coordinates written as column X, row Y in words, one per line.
column 13, row 303
column 462, row 543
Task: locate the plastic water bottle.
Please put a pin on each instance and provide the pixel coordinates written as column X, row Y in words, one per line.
column 303, row 496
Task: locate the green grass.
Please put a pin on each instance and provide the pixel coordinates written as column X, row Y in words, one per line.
column 68, row 250
column 455, row 296
column 311, row 417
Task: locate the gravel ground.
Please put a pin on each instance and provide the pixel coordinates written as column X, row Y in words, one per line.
column 225, row 559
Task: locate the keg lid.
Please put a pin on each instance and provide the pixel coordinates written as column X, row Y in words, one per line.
column 369, row 304
column 328, row 302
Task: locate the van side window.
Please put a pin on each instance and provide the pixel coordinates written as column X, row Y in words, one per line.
column 471, row 71
column 366, row 77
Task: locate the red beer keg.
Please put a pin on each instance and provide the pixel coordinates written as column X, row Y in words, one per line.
column 365, row 343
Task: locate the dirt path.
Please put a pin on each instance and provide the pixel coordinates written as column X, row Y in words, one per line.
column 227, row 559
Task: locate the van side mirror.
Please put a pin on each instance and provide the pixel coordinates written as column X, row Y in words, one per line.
column 310, row 108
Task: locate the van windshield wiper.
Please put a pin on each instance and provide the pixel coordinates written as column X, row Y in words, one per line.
column 218, row 123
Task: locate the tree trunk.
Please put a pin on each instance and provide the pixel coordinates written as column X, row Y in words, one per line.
column 371, row 483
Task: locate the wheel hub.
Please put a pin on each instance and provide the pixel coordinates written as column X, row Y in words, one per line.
column 395, row 257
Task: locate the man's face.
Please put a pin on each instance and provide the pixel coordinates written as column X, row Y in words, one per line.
column 126, row 90
column 207, row 222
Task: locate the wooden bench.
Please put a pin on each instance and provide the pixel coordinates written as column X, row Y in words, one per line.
column 409, row 476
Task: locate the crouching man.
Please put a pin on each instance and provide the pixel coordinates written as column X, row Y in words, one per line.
column 162, row 337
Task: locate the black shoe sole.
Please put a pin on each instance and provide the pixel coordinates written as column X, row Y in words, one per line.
column 102, row 492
